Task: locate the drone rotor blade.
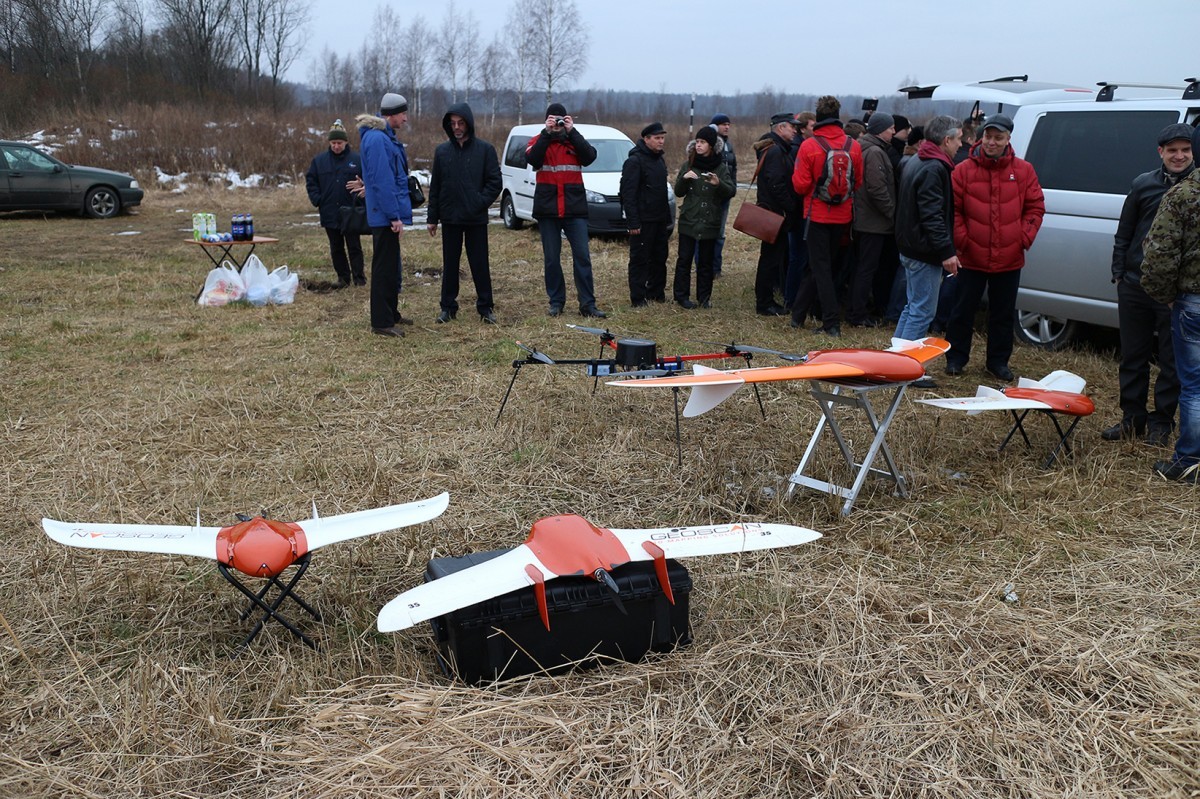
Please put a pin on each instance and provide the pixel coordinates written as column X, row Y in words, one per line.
column 734, row 348
column 540, row 357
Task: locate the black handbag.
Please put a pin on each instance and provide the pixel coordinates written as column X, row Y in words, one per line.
column 415, row 194
column 353, row 218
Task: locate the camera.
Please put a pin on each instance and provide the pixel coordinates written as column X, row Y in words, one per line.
column 870, row 104
column 559, row 122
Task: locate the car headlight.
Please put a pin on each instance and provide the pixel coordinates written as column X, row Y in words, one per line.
column 594, row 196
column 133, row 184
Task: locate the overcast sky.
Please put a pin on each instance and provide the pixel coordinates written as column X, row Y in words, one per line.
column 862, row 47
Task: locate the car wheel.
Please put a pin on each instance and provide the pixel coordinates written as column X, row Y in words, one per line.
column 101, row 203
column 1040, row 330
column 509, row 214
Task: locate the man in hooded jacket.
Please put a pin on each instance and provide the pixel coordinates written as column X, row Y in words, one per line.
column 464, row 184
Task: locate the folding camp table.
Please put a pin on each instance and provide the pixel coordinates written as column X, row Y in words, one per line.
column 853, row 394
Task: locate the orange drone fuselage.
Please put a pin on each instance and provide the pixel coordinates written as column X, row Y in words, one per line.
column 1067, row 402
column 261, row 547
column 878, row 366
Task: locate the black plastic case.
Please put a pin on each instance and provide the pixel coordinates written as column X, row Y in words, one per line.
column 504, row 637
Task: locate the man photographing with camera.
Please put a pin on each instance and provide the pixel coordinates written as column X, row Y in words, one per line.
column 559, row 153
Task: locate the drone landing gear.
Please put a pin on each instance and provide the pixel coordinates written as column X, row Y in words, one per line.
column 853, row 395
column 271, row 610
column 1064, row 443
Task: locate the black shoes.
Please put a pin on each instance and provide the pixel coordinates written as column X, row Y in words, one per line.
column 400, row 320
column 833, row 331
column 706, row 304
column 1157, row 435
column 772, row 310
column 360, row 280
column 445, row 316
column 555, row 310
column 954, row 369
column 686, row 303
column 1001, row 373
column 487, row 317
column 866, row 323
column 1126, row 428
column 593, row 312
column 925, row 382
column 391, row 332
column 1173, row 470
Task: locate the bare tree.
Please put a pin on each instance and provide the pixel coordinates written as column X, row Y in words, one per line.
column 468, row 55
column 520, row 31
column 416, row 62
column 379, row 73
column 196, row 32
column 493, row 71
column 449, row 42
column 560, row 43
column 286, row 20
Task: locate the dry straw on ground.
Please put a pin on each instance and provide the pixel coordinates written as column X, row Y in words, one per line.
column 879, row 661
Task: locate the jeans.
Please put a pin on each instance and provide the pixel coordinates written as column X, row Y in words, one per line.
column 923, row 281
column 1185, row 330
column 552, row 229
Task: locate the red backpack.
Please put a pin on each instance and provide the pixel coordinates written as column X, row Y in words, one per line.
column 836, row 184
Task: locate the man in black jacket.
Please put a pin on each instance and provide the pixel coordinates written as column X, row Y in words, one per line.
column 464, row 184
column 777, row 159
column 1139, row 316
column 326, row 181
column 648, row 214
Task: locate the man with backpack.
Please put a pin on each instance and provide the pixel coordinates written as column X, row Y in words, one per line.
column 829, row 169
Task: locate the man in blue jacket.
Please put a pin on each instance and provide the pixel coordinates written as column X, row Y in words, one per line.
column 385, row 183
column 326, row 181
column 465, row 183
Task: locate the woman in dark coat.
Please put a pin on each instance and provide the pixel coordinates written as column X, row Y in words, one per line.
column 705, row 185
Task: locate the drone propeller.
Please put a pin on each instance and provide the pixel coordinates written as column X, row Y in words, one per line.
column 644, row 373
column 604, row 335
column 540, row 357
column 608, row 582
column 733, row 348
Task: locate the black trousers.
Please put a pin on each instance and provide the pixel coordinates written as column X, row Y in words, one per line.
column 385, row 277
column 1141, row 318
column 476, row 239
column 1002, row 304
column 772, row 266
column 824, row 250
column 648, row 263
column 688, row 248
column 870, row 248
column 341, row 244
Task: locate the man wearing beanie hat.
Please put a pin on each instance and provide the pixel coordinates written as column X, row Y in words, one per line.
column 326, row 181
column 559, row 153
column 1140, row 317
column 389, row 209
column 828, row 219
column 998, row 210
column 647, row 211
column 874, row 217
column 1171, row 274
column 721, row 123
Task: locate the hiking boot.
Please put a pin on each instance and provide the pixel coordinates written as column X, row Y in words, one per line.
column 444, row 317
column 1001, row 373
column 487, row 317
column 1174, row 470
column 1126, row 428
column 555, row 310
column 593, row 312
column 953, row 369
column 686, row 303
column 1157, row 435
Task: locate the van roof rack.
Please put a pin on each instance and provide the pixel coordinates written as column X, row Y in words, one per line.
column 1191, row 90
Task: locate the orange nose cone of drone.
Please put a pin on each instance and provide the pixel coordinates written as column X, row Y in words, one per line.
column 261, row 547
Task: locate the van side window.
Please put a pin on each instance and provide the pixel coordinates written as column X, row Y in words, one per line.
column 1096, row 151
column 515, row 154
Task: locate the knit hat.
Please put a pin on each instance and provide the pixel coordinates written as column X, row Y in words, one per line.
column 392, row 103
column 653, row 129
column 337, row 132
column 708, row 134
column 879, row 122
column 556, row 110
column 720, row 119
column 901, row 122
column 1177, row 130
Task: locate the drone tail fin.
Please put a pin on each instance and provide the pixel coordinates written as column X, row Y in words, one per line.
column 988, row 393
column 705, row 398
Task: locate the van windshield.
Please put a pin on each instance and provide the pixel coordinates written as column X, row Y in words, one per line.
column 610, row 154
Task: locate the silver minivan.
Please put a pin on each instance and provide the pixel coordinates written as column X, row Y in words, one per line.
column 1087, row 146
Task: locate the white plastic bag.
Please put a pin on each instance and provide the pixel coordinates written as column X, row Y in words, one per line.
column 283, row 285
column 258, row 283
column 223, row 285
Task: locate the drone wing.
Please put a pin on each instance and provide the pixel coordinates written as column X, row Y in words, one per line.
column 985, row 399
column 166, row 539
column 922, row 350
column 323, row 531
column 712, row 539
column 478, row 583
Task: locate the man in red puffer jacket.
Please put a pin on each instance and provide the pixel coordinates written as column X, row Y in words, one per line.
column 998, row 209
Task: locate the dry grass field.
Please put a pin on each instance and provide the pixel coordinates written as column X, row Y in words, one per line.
column 879, row 661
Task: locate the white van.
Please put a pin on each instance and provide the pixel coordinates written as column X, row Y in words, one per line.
column 1087, row 146
column 601, row 178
